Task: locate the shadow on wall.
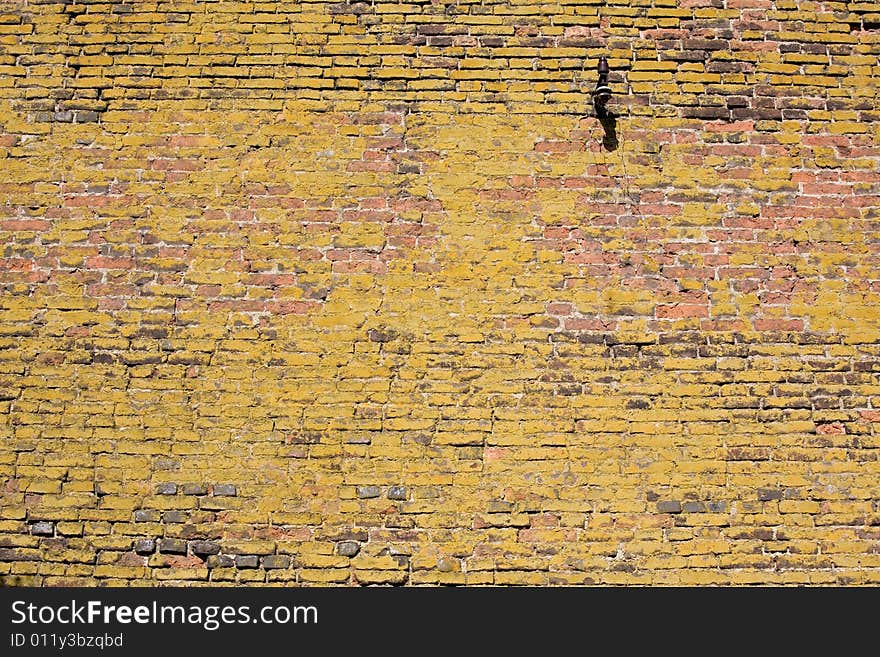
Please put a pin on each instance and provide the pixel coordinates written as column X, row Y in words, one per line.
column 609, row 125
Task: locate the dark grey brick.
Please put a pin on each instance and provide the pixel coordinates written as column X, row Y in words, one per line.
column 348, row 548
column 172, row 546
column 769, row 494
column 145, row 546
column 247, row 561
column 669, row 506
column 166, row 489
column 228, row 490
column 366, row 492
column 377, row 335
column 204, row 548
column 397, row 493
column 43, row 528
column 146, row 515
column 276, row 561
column 716, row 507
column 86, row 116
column 693, row 507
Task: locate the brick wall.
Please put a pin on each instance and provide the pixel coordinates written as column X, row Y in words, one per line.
column 365, row 293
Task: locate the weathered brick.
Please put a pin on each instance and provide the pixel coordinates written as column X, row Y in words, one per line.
column 348, row 548
column 225, row 490
column 43, row 528
column 669, row 506
column 397, row 493
column 247, row 561
column 204, row 548
column 220, row 561
column 172, row 546
column 769, row 494
column 276, row 561
column 368, row 492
